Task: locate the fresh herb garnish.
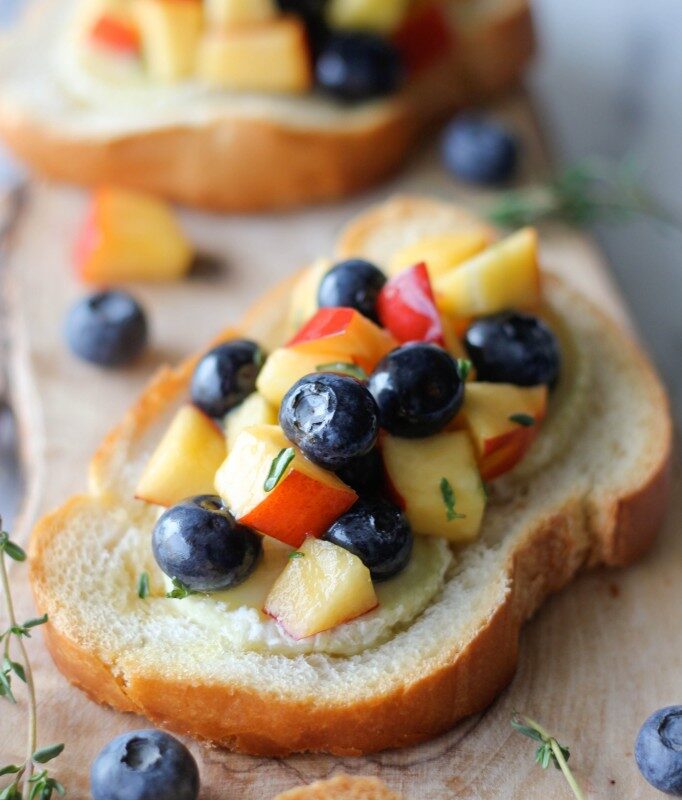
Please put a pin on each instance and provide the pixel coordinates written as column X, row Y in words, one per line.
column 26, row 783
column 278, row 467
column 522, row 419
column 590, row 191
column 448, row 494
column 180, row 591
column 484, row 489
column 549, row 750
column 296, row 554
column 143, row 586
column 345, row 368
column 463, row 368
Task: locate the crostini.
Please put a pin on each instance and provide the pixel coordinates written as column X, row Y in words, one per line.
column 390, row 502
column 243, row 106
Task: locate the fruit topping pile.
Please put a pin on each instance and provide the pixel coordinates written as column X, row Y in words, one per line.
column 397, row 397
column 351, row 50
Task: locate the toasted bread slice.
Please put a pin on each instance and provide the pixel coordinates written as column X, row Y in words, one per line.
column 239, row 152
column 342, row 787
column 592, row 490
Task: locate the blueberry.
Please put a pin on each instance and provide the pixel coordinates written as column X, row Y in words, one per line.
column 513, row 348
column 364, row 473
column 479, row 150
column 378, row 533
column 331, row 418
column 225, row 376
column 107, row 328
column 352, row 284
column 358, row 66
column 417, row 388
column 199, row 542
column 144, row 765
column 658, row 750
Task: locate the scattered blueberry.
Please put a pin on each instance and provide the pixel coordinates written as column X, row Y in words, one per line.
column 364, row 473
column 352, row 284
column 144, row 765
column 417, row 388
column 108, row 328
column 199, row 542
column 658, row 750
column 358, row 66
column 378, row 533
column 513, row 348
column 225, row 376
column 479, row 150
column 331, row 418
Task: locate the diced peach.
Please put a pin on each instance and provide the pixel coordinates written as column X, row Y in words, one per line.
column 116, row 33
column 228, row 13
column 506, row 275
column 185, row 461
column 170, row 36
column 270, row 57
column 255, row 410
column 441, row 252
column 453, row 343
column 130, row 236
column 406, row 307
column 283, row 367
column 303, row 303
column 305, row 500
column 380, row 16
column 347, row 335
column 494, row 414
column 437, row 483
column 322, row 586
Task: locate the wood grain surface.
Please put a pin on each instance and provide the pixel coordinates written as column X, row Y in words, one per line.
column 596, row 660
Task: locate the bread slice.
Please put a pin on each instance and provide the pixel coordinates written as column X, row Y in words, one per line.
column 342, row 787
column 598, row 499
column 239, row 152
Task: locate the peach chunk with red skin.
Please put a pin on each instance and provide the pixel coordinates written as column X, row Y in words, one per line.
column 130, row 236
column 346, row 334
column 304, row 500
column 502, row 420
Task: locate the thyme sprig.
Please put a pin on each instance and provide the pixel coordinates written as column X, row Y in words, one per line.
column 549, row 750
column 27, row 782
column 592, row 190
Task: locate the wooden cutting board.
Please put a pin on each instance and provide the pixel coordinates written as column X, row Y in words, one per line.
column 594, row 662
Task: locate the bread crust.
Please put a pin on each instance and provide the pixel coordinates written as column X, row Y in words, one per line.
column 465, row 680
column 252, row 164
column 342, row 787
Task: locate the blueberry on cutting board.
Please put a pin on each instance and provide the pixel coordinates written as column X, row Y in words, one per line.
column 144, row 765
column 107, row 328
column 478, row 150
column 658, row 750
